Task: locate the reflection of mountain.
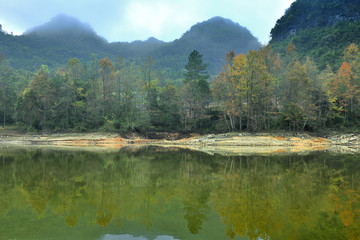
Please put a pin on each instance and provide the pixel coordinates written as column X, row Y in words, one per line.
column 182, row 194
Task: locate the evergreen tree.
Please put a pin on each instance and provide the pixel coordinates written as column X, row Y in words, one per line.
column 196, row 80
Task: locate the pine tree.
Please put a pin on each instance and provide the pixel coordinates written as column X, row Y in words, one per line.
column 196, row 80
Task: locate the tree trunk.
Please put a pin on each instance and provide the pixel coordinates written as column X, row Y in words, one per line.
column 240, row 123
column 227, row 124
column 232, row 120
column 4, row 115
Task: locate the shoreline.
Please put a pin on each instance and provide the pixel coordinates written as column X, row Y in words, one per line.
column 226, row 143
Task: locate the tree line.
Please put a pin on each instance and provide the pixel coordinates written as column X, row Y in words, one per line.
column 255, row 92
column 262, row 91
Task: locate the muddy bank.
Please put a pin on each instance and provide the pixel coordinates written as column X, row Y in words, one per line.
column 269, row 143
column 228, row 143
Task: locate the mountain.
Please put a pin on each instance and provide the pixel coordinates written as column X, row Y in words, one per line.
column 321, row 29
column 212, row 38
column 52, row 44
column 64, row 37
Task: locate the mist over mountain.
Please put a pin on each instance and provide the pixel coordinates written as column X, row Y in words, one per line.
column 62, row 24
column 321, row 29
column 64, row 37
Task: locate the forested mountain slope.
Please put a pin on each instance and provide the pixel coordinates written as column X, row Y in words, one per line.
column 212, row 38
column 320, row 29
column 55, row 42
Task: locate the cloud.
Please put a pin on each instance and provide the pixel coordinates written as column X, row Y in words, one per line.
column 159, row 18
column 167, row 20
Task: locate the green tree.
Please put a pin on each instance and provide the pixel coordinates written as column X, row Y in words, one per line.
column 39, row 94
column 151, row 85
column 296, row 96
column 196, row 81
column 94, row 115
column 76, row 90
column 7, row 94
column 169, row 107
column 130, row 100
column 64, row 109
column 107, row 77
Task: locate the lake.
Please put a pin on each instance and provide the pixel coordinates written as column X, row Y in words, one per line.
column 170, row 193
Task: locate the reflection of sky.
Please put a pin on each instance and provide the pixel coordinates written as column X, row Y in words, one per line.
column 130, row 237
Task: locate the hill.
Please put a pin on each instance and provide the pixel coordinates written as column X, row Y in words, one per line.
column 321, row 29
column 52, row 44
column 212, row 38
column 55, row 42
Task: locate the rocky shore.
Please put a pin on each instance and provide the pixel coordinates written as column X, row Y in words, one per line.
column 226, row 143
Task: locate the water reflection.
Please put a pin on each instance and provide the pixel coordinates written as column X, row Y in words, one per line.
column 188, row 195
column 130, row 237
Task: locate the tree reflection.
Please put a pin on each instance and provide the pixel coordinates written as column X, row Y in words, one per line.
column 197, row 188
column 272, row 197
column 347, row 205
column 195, row 205
column 278, row 201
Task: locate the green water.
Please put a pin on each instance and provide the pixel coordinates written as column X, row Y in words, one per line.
column 165, row 194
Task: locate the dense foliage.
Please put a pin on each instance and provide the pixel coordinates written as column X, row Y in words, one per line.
column 315, row 13
column 319, row 29
column 254, row 92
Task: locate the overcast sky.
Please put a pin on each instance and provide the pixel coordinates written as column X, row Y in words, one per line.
column 129, row 20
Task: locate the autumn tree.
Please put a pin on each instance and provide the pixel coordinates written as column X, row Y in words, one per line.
column 350, row 73
column 229, row 90
column 346, row 90
column 258, row 92
column 244, row 91
column 352, row 56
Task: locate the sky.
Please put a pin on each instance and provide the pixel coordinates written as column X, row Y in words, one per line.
column 130, row 20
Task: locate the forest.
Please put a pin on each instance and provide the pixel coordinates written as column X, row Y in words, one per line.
column 259, row 91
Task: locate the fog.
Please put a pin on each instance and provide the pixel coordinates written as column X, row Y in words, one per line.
column 61, row 23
